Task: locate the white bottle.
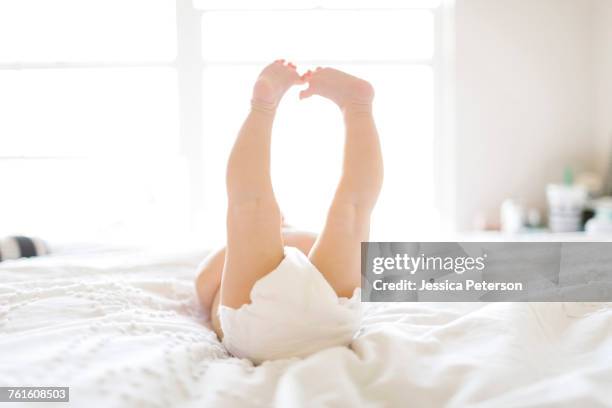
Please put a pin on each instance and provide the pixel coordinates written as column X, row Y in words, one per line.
column 512, row 216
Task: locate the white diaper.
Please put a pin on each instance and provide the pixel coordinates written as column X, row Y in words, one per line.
column 293, row 312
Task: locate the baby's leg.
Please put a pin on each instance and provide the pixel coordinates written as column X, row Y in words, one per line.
column 336, row 252
column 254, row 242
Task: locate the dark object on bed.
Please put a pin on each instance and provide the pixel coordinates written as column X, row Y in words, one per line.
column 21, row 247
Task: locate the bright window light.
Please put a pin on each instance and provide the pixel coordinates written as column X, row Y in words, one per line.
column 306, row 4
column 76, row 200
column 91, row 134
column 75, row 112
column 317, row 35
column 87, row 30
column 308, row 135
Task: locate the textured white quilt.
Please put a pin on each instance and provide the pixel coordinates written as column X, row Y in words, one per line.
column 125, row 329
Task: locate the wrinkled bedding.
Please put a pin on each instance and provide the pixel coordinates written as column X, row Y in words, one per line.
column 124, row 328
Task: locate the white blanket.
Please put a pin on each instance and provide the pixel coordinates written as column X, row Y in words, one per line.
column 125, row 329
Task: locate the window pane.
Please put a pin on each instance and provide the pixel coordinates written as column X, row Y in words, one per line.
column 317, row 35
column 75, row 200
column 284, row 4
column 87, row 30
column 307, row 147
column 88, row 111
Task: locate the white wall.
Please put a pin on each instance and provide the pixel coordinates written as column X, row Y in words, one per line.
column 525, row 104
column 602, row 61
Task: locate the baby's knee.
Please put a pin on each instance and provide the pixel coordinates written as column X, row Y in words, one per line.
column 348, row 218
column 254, row 214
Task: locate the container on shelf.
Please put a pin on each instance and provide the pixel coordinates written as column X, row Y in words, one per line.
column 602, row 222
column 565, row 204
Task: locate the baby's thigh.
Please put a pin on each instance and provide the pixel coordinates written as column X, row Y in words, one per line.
column 254, row 249
column 337, row 252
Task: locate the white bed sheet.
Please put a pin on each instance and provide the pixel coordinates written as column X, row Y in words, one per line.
column 125, row 329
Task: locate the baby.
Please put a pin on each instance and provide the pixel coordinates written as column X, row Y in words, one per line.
column 273, row 293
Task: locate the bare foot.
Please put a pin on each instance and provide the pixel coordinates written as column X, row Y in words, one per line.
column 274, row 81
column 345, row 90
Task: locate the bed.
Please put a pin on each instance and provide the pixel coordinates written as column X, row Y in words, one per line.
column 124, row 328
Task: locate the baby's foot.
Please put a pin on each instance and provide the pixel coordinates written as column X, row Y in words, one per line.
column 347, row 91
column 273, row 82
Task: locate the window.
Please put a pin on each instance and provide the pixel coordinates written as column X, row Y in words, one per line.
column 118, row 115
column 89, row 119
column 391, row 45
